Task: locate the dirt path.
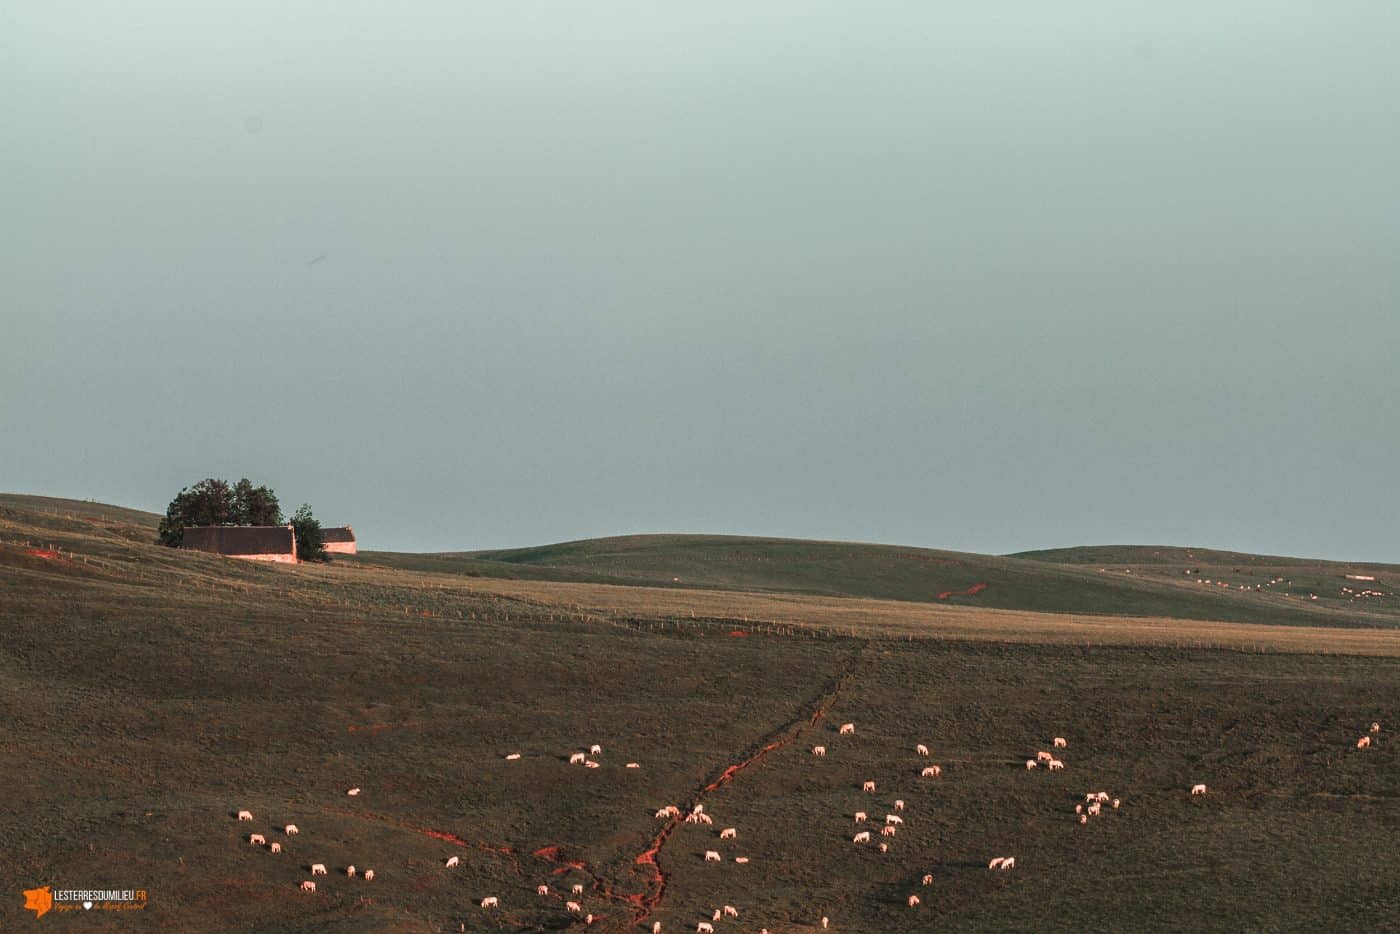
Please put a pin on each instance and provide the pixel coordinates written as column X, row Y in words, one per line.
column 647, row 902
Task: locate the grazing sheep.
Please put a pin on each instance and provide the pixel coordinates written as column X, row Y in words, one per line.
column 369, row 875
column 1079, row 809
column 1008, row 863
column 1059, row 743
column 512, row 757
column 576, row 889
column 245, row 815
column 352, row 792
column 847, row 729
column 868, row 786
column 893, row 819
column 913, row 901
column 1363, row 742
column 1116, row 802
column 861, row 817
column 663, row 813
column 927, row 879
column 256, row 839
column 729, row 833
column 578, row 758
column 291, row 830
column 1055, row 765
column 888, row 830
column 490, row 901
column 862, row 837
column 818, row 750
column 1375, row 728
column 1095, row 809
column 590, row 764
column 704, row 927
column 308, row 886
column 712, row 856
column 717, row 915
column 995, row 863
column 1083, row 818
column 1030, row 764
column 542, row 890
column 825, row 921
column 274, row 847
column 699, row 809
column 634, row 765
column 921, row 749
column 451, row 862
column 349, row 872
column 705, row 819
column 741, row 859
column 1198, row 789
column 884, row 848
column 1043, row 756
column 656, row 927
column 730, row 911
column 318, row 869
column 595, row 750
column 575, row 907
column 931, row 771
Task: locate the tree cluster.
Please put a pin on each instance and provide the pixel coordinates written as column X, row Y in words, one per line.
column 217, row 502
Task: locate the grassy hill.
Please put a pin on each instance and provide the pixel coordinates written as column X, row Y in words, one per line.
column 148, row 694
column 1037, row 582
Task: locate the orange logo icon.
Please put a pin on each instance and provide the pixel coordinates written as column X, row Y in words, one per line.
column 39, row 901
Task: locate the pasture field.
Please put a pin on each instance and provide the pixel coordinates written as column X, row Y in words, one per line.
column 149, row 694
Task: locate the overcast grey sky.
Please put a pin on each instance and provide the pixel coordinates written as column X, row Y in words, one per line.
column 468, row 274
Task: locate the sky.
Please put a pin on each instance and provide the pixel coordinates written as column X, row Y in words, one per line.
column 986, row 277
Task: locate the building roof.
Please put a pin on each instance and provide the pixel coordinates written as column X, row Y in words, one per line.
column 241, row 539
column 341, row 533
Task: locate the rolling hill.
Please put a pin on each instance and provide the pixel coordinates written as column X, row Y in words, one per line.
column 150, row 694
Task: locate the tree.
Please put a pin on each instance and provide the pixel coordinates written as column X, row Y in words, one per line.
column 255, row 505
column 208, row 502
column 310, row 544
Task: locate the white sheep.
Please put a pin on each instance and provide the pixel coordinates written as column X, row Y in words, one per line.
column 291, row 830
column 712, row 856
column 1059, row 742
column 541, row 890
column 862, row 837
column 369, row 875
column 868, row 786
column 913, row 901
column 729, row 833
column 452, row 862
column 490, row 901
column 274, row 847
column 847, row 729
column 256, row 839
column 1198, row 789
column 921, row 749
column 308, row 886
column 245, row 815
column 818, row 750
column 318, row 869
column 861, row 817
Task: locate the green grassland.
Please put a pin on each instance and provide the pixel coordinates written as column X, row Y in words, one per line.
column 148, row 694
column 1113, row 581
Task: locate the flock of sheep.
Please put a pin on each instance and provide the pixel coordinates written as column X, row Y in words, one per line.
column 1092, row 806
column 291, row 830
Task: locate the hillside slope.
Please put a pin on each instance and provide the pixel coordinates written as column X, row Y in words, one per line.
column 924, row 575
